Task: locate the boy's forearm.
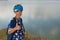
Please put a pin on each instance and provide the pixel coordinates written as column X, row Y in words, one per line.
column 11, row 30
column 24, row 31
column 23, row 28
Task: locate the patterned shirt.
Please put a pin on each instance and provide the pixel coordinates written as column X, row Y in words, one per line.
column 18, row 34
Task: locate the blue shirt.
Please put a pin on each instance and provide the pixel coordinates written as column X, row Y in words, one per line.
column 18, row 34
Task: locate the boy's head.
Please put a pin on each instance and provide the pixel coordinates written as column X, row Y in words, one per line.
column 18, row 9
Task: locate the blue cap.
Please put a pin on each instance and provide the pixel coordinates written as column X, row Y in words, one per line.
column 18, row 7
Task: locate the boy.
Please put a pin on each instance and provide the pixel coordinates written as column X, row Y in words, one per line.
column 16, row 29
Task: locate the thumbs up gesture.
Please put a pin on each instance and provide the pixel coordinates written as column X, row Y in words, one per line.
column 17, row 27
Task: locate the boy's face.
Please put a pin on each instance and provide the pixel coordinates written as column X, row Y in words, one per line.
column 18, row 13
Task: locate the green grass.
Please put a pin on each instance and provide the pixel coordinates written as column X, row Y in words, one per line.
column 27, row 37
column 3, row 34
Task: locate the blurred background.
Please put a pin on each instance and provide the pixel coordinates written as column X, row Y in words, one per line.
column 40, row 17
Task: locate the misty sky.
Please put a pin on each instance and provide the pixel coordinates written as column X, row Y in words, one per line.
column 33, row 9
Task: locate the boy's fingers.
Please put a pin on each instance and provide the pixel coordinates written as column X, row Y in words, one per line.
column 10, row 29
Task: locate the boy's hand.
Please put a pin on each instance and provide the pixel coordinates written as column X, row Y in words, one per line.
column 25, row 33
column 11, row 30
column 17, row 27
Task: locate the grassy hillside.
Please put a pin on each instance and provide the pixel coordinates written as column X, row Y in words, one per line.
column 3, row 34
column 27, row 37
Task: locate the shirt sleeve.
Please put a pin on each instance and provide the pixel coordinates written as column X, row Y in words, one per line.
column 10, row 25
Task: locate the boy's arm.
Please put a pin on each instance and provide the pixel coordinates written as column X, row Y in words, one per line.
column 12, row 30
column 24, row 31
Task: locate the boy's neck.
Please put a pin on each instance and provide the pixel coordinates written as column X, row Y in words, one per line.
column 17, row 17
